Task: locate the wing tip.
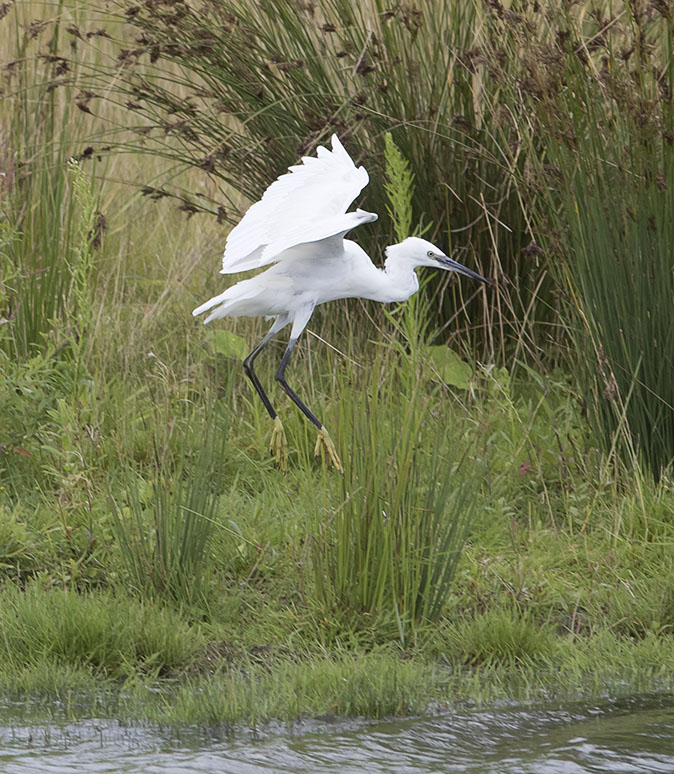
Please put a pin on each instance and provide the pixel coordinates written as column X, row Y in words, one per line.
column 366, row 217
column 337, row 146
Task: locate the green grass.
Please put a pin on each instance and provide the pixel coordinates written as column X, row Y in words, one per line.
column 599, row 184
column 224, row 689
column 389, row 551
column 110, row 636
column 561, row 576
column 163, row 530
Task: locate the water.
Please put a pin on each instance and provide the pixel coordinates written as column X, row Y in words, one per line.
column 628, row 735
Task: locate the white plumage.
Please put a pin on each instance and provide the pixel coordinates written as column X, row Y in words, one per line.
column 299, row 225
column 304, row 205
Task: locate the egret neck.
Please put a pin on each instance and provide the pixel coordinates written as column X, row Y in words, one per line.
column 399, row 279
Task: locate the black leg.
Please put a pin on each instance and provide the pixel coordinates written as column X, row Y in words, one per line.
column 280, row 378
column 250, row 372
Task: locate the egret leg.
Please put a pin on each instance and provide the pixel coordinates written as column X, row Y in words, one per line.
column 250, row 373
column 323, row 442
column 278, row 445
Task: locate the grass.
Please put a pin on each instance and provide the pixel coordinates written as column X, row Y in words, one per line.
column 604, row 170
column 560, row 580
column 390, row 550
column 164, row 533
column 514, row 661
column 96, row 632
column 484, row 542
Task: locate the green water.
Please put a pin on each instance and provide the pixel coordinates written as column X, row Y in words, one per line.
column 626, row 735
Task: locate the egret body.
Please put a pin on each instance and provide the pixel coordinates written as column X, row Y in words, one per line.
column 299, row 227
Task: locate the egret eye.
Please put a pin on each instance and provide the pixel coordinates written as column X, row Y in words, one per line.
column 430, row 254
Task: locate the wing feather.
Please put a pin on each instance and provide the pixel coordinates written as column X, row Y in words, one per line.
column 337, row 225
column 296, row 208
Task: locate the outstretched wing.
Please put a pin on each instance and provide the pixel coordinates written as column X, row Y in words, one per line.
column 306, row 204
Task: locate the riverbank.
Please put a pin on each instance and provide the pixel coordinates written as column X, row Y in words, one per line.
column 563, row 589
column 265, row 683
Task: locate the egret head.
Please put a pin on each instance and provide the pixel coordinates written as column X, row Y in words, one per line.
column 420, row 252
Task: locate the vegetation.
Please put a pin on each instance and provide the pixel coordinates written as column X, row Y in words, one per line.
column 505, row 524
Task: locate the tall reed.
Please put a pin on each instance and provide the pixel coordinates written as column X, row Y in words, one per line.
column 36, row 199
column 596, row 91
column 163, row 527
column 387, row 554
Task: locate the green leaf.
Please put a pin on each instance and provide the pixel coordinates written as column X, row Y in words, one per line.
column 227, row 343
column 449, row 366
column 399, row 187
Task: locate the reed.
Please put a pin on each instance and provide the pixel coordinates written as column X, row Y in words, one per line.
column 163, row 530
column 36, row 199
column 387, row 554
column 595, row 92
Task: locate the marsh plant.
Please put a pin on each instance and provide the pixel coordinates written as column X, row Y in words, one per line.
column 164, row 524
column 37, row 198
column 387, row 554
column 50, row 230
column 520, row 124
column 596, row 94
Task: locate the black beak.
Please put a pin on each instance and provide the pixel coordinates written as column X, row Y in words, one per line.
column 451, row 265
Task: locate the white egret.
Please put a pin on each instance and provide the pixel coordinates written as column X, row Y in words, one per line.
column 299, row 225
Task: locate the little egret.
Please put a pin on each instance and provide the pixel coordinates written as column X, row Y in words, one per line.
column 299, row 225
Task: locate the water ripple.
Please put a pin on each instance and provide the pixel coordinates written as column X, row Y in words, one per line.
column 621, row 737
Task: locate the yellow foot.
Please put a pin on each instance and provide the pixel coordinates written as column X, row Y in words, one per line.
column 324, row 444
column 279, row 445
